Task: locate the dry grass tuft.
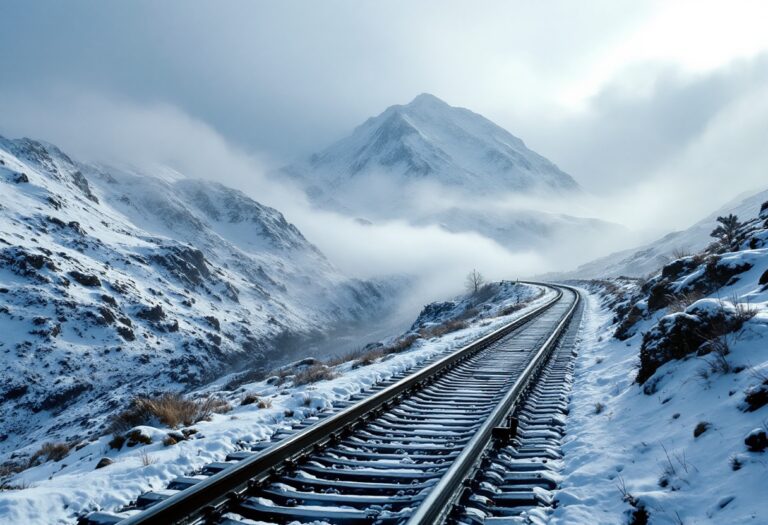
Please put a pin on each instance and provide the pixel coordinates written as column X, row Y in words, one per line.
column 170, row 409
column 680, row 301
column 51, row 452
column 442, row 329
column 146, row 459
column 313, row 374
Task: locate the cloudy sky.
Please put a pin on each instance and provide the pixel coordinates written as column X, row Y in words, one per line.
column 659, row 108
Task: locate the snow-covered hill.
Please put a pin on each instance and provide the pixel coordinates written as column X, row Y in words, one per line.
column 434, row 164
column 669, row 418
column 114, row 282
column 646, row 260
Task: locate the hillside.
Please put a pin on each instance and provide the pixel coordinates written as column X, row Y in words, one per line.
column 647, row 259
column 115, row 283
column 668, row 417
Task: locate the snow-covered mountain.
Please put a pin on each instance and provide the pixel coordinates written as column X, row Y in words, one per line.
column 114, row 282
column 434, row 164
column 648, row 259
column 428, row 140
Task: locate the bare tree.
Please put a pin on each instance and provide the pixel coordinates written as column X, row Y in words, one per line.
column 474, row 282
column 727, row 229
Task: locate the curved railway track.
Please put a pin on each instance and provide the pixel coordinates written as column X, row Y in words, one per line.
column 417, row 449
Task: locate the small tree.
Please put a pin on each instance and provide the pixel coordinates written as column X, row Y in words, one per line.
column 474, row 282
column 727, row 229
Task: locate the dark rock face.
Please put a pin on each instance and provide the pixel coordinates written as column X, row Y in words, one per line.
column 85, row 279
column 756, row 397
column 126, row 333
column 211, row 320
column 61, row 398
column 23, row 262
column 682, row 334
column 185, row 263
column 154, row 313
column 757, row 440
column 82, row 183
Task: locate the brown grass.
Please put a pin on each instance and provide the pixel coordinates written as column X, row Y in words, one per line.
column 51, row 452
column 170, row 409
column 313, row 374
column 146, row 459
column 680, row 301
column 249, row 399
column 442, row 329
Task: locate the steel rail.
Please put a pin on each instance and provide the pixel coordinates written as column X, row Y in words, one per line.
column 208, row 497
column 439, row 503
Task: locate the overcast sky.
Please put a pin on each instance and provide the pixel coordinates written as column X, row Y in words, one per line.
column 629, row 97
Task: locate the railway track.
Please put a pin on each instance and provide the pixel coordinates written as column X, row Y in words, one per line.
column 447, row 442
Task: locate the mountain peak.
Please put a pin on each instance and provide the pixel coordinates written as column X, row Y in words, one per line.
column 427, row 99
column 427, row 139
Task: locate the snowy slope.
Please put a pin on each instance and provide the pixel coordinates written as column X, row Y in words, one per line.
column 58, row 491
column 637, row 262
column 668, row 419
column 114, row 283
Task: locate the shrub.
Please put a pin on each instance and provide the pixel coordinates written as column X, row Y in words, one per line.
column 136, row 437
column 170, row 409
column 51, row 452
column 117, row 441
column 264, row 403
column 249, row 399
column 680, row 301
column 443, row 329
column 313, row 374
column 146, row 459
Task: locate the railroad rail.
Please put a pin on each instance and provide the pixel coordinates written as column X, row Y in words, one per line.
column 410, row 452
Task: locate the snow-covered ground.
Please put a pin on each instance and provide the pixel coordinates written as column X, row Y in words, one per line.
column 622, row 443
column 58, row 491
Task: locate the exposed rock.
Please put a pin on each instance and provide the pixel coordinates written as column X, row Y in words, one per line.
column 126, row 333
column 757, row 440
column 756, row 397
column 85, row 279
column 185, row 263
column 681, row 334
column 154, row 313
column 82, row 183
column 104, row 462
column 63, row 397
column 211, row 320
